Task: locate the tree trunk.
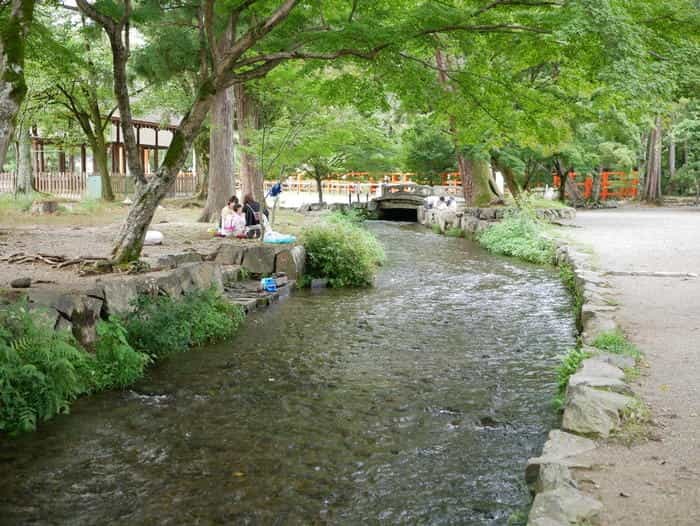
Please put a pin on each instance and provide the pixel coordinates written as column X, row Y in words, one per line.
column 476, row 181
column 597, row 181
column 671, row 158
column 99, row 153
column 248, row 119
column 129, row 241
column 652, row 183
column 201, row 148
column 25, row 183
column 13, row 37
column 221, row 182
column 562, row 176
column 319, row 185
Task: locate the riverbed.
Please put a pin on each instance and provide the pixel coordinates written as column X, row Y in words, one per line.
column 415, row 402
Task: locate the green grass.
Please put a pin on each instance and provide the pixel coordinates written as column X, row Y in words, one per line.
column 568, row 277
column 568, row 366
column 436, row 229
column 616, row 343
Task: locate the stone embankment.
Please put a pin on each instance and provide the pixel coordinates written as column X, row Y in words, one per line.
column 596, row 398
column 475, row 220
column 228, row 268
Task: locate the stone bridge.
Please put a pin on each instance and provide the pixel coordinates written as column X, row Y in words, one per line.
column 400, row 202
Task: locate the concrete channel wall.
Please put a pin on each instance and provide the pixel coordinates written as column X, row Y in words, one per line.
column 228, row 269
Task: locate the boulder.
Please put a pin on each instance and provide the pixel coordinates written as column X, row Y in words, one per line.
column 595, row 320
column 259, row 259
column 120, row 294
column 593, row 412
column 470, row 224
column 229, row 254
column 169, row 283
column 561, row 448
column 553, row 476
column 230, row 274
column 284, row 263
column 200, row 276
column 600, row 374
column 564, row 506
column 488, row 214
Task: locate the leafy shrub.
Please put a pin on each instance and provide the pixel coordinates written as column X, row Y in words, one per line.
column 616, row 343
column 454, row 232
column 161, row 326
column 41, row 371
column 436, row 229
column 568, row 366
column 520, row 234
column 343, row 252
column 346, row 215
column 117, row 364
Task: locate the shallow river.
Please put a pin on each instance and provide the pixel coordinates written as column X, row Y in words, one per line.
column 416, row 402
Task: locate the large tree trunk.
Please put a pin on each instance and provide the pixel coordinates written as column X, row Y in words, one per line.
column 25, row 182
column 476, row 181
column 221, row 183
column 13, row 36
column 248, row 119
column 652, row 183
column 671, row 158
column 129, row 241
column 99, row 154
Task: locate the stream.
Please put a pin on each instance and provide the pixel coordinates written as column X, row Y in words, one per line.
column 415, row 402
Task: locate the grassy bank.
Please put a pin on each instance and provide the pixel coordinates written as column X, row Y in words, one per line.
column 43, row 371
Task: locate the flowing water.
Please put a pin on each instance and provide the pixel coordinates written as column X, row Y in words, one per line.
column 416, row 402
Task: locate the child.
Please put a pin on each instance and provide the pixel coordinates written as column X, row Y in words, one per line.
column 238, row 228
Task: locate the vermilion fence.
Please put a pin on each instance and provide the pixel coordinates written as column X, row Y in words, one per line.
column 613, row 185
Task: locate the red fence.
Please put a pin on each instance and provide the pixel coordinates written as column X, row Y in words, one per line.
column 613, row 185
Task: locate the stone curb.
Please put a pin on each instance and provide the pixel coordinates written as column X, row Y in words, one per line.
column 595, row 397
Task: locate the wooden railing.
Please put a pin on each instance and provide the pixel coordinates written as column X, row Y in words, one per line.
column 613, row 185
column 73, row 185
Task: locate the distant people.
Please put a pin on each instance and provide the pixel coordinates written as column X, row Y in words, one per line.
column 253, row 216
column 226, row 213
column 452, row 204
column 431, row 201
column 441, row 204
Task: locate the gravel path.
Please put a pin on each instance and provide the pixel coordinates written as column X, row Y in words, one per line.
column 656, row 482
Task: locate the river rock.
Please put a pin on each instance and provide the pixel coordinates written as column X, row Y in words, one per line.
column 600, row 374
column 488, row 214
column 202, row 276
column 21, row 283
column 564, row 506
column 593, row 412
column 120, row 294
column 259, row 259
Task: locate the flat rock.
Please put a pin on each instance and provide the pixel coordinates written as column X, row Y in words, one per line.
column 229, row 254
column 593, row 412
column 561, row 448
column 618, row 360
column 564, row 506
column 553, row 476
column 186, row 257
column 600, row 368
column 600, row 382
column 259, row 259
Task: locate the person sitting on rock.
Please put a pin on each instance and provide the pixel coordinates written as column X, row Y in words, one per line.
column 228, row 210
column 253, row 216
column 237, row 221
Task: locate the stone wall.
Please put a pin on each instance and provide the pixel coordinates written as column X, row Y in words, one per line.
column 474, row 220
column 595, row 398
column 79, row 308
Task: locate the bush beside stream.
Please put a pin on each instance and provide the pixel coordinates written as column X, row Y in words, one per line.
column 341, row 250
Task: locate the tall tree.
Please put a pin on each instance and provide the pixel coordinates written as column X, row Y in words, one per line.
column 15, row 21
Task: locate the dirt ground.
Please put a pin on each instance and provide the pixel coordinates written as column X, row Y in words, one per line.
column 655, row 481
column 91, row 233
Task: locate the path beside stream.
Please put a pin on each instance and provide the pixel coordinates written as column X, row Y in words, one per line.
column 656, row 482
